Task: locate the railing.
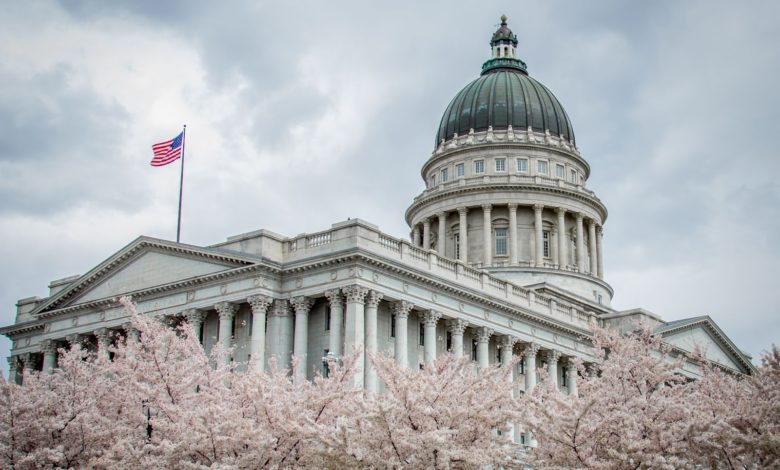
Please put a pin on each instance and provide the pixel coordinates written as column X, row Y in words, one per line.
column 540, row 180
column 372, row 239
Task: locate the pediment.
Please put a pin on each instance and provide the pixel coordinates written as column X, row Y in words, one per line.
column 701, row 337
column 143, row 264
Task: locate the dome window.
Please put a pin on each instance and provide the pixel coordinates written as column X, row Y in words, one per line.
column 500, row 165
column 574, row 176
column 541, row 167
column 479, row 166
column 444, row 175
column 560, row 171
column 460, row 170
column 500, row 242
column 522, row 165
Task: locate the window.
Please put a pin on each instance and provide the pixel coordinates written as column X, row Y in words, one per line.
column 600, row 299
column 233, row 327
column 498, row 356
column 500, row 165
column 456, row 240
column 473, row 350
column 327, row 318
column 392, row 326
column 522, row 165
column 541, row 167
column 449, row 341
column 559, row 171
column 500, row 242
column 251, row 324
column 460, row 170
column 433, row 180
column 521, row 366
column 444, row 175
column 479, row 166
column 546, row 243
column 325, row 365
column 422, row 334
column 564, row 373
column 574, row 176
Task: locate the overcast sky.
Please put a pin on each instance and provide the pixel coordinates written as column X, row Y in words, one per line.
column 301, row 114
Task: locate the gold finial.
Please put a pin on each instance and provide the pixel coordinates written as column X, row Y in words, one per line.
column 503, row 19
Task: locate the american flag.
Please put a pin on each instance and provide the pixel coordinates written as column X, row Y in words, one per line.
column 168, row 151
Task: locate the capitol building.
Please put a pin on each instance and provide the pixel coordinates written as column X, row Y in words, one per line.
column 504, row 257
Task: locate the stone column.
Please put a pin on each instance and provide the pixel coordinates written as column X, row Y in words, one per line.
column 226, row 311
column 302, row 305
column 401, row 311
column 429, row 320
column 132, row 332
column 260, row 305
column 426, row 241
column 571, row 376
column 103, row 341
column 552, row 365
column 372, row 341
column 530, row 379
column 483, row 355
column 562, row 245
column 593, row 256
column 580, row 245
column 456, row 327
column 416, row 235
column 600, row 252
column 507, row 345
column 513, row 255
column 13, row 370
column 74, row 340
column 49, row 349
column 280, row 326
column 441, row 242
column 196, row 318
column 355, row 331
column 27, row 363
column 336, row 317
column 538, row 237
column 463, row 233
column 487, row 234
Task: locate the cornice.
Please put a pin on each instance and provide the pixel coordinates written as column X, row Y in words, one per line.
column 19, row 328
column 422, row 201
column 710, row 326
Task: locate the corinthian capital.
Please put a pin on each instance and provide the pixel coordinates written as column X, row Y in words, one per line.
column 259, row 303
column 374, row 298
column 457, row 326
column 302, row 304
column 355, row 294
column 226, row 310
column 402, row 308
column 483, row 334
column 281, row 308
column 431, row 317
column 531, row 349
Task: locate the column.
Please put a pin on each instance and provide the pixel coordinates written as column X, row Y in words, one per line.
column 28, row 364
column 354, row 330
column 280, row 339
column 336, row 302
column 463, row 233
column 552, row 365
column 426, row 243
column 49, row 349
column 507, row 345
column 416, row 235
column 372, row 341
column 260, row 305
column 226, row 311
column 593, row 256
column 487, row 234
column 401, row 311
column 530, row 380
column 513, row 254
column 103, row 341
column 429, row 320
column 441, row 242
column 13, row 369
column 196, row 318
column 562, row 244
column 571, row 375
column 133, row 334
column 483, row 355
column 302, row 305
column 600, row 252
column 538, row 246
column 580, row 245
column 74, row 340
column 456, row 327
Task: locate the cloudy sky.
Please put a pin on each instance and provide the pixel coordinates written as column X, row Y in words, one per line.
column 301, row 114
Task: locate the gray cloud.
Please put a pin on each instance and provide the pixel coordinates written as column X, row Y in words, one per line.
column 296, row 108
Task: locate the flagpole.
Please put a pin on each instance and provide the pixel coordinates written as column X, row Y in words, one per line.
column 181, row 181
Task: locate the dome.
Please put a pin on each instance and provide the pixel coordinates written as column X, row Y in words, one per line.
column 504, row 95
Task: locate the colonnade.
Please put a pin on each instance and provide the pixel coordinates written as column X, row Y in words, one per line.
column 422, row 237
column 287, row 329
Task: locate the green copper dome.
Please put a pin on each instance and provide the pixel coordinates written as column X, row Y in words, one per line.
column 504, row 95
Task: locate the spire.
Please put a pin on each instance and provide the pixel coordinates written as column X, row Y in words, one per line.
column 503, row 46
